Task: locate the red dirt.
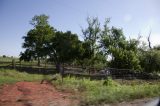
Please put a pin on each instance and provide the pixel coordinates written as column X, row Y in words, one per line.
column 34, row 94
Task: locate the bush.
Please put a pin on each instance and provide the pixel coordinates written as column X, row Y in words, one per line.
column 150, row 61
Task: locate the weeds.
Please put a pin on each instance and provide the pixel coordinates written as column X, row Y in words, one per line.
column 91, row 92
column 107, row 91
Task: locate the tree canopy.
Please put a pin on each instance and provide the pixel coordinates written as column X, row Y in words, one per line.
column 38, row 38
column 102, row 46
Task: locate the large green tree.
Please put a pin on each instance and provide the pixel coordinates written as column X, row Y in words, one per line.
column 91, row 35
column 123, row 52
column 92, row 54
column 64, row 48
column 150, row 58
column 150, row 61
column 37, row 39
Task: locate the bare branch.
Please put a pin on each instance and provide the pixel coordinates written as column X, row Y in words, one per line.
column 149, row 42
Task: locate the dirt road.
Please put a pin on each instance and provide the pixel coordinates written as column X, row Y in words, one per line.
column 34, row 94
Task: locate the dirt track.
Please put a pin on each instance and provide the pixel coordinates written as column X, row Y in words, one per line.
column 34, row 94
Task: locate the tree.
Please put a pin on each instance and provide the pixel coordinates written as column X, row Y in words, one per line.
column 92, row 54
column 64, row 48
column 38, row 38
column 150, row 61
column 92, row 34
column 156, row 47
column 150, row 57
column 123, row 53
column 4, row 56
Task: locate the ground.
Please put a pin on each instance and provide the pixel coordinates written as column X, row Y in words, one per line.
column 34, row 94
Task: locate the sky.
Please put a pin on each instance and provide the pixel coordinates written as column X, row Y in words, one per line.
column 135, row 17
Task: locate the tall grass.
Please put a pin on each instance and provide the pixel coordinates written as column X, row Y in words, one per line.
column 107, row 91
column 12, row 76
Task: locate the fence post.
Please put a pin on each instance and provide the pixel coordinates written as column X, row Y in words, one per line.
column 20, row 63
column 45, row 64
column 13, row 63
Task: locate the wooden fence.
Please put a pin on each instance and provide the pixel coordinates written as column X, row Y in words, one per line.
column 113, row 73
column 49, row 68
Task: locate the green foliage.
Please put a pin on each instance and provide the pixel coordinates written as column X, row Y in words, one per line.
column 157, row 47
column 39, row 20
column 4, row 56
column 44, row 42
column 64, row 47
column 91, row 35
column 91, row 55
column 123, row 52
column 150, row 61
column 95, row 92
column 110, row 82
column 8, row 59
column 37, row 39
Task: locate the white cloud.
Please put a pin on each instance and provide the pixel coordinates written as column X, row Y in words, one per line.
column 127, row 18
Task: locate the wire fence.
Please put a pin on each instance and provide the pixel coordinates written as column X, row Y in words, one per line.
column 49, row 68
column 114, row 73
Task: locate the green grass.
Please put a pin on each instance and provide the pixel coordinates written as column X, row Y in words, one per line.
column 12, row 76
column 95, row 92
column 90, row 92
column 8, row 59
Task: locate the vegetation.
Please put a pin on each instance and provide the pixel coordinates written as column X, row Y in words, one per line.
column 107, row 91
column 37, row 39
column 44, row 42
column 90, row 92
column 101, row 47
column 150, row 60
column 7, row 59
column 123, row 52
column 12, row 76
column 64, row 48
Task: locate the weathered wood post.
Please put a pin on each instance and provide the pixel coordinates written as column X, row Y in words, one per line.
column 45, row 64
column 20, row 63
column 62, row 71
column 13, row 63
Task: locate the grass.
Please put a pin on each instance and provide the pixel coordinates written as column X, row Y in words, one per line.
column 8, row 59
column 12, row 76
column 90, row 92
column 98, row 92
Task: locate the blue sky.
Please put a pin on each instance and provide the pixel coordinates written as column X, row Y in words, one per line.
column 134, row 16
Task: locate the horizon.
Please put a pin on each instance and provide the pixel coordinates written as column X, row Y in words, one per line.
column 134, row 17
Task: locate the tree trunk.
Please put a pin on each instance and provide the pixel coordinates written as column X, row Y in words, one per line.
column 39, row 62
column 60, row 69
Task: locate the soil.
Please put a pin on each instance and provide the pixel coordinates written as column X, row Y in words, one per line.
column 35, row 94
